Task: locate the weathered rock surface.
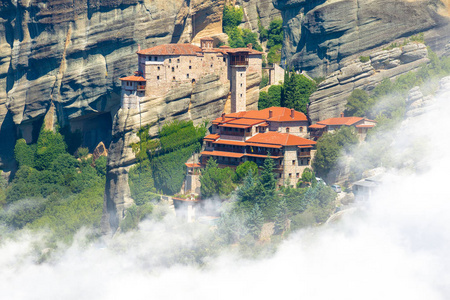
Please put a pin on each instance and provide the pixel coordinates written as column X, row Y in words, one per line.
column 258, row 9
column 320, row 34
column 73, row 52
column 331, row 96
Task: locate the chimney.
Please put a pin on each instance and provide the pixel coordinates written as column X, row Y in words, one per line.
column 223, row 117
column 139, row 47
column 270, row 113
column 342, row 114
column 249, row 46
column 292, row 113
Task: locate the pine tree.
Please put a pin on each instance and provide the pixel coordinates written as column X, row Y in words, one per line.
column 281, row 218
column 255, row 221
column 267, row 186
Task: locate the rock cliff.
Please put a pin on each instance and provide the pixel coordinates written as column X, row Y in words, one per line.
column 320, row 34
column 72, row 52
column 331, row 96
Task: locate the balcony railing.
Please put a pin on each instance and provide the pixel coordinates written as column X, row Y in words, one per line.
column 304, row 154
column 141, row 87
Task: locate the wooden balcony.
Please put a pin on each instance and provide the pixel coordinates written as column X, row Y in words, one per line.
column 141, row 87
column 304, row 154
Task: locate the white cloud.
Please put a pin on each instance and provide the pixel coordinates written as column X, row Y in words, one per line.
column 394, row 247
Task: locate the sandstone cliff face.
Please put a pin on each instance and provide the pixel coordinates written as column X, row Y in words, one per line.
column 331, row 96
column 72, row 53
column 319, row 34
column 254, row 9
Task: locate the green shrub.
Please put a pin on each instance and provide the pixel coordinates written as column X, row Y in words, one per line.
column 24, row 154
column 100, row 165
column 264, row 81
column 82, row 152
column 364, row 59
column 49, row 146
column 23, row 212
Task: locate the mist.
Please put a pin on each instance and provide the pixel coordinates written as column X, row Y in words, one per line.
column 393, row 246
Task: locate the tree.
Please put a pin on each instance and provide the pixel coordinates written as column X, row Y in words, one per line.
column 329, row 148
column 358, row 104
column 308, row 176
column 243, row 170
column 281, row 217
column 216, row 181
column 255, row 221
column 296, row 91
column 232, row 16
column 267, row 186
column 272, row 98
column 275, row 33
column 49, row 146
column 24, row 154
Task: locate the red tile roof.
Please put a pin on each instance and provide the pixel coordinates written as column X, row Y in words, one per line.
column 172, row 49
column 279, row 114
column 193, row 165
column 211, row 137
column 133, row 78
column 277, row 138
column 341, row 121
column 365, row 126
column 318, row 126
column 261, row 155
column 222, row 153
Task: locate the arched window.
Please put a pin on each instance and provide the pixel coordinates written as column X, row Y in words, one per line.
column 173, row 69
column 287, row 129
column 301, row 129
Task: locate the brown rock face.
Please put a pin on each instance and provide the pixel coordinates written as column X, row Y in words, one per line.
column 72, row 52
column 320, row 34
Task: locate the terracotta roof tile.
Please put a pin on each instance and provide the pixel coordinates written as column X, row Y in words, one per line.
column 172, row 49
column 211, row 137
column 133, row 78
column 222, row 153
column 277, row 138
column 341, row 121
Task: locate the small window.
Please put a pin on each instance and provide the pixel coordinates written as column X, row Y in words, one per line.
column 211, row 65
column 157, row 77
column 178, row 60
column 224, row 59
column 159, row 68
column 293, row 162
column 287, row 129
column 241, row 84
column 301, row 129
column 241, row 95
column 170, row 60
column 173, row 78
column 298, row 175
column 187, row 75
column 189, row 61
column 241, row 74
column 173, row 69
column 290, row 175
column 190, row 67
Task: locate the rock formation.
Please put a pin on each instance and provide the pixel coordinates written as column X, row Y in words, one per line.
column 320, row 34
column 254, row 10
column 331, row 96
column 73, row 52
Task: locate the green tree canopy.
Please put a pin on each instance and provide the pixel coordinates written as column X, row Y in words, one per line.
column 215, row 180
column 358, row 104
column 49, row 146
column 243, row 170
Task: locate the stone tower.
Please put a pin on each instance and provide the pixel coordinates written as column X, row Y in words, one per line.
column 238, row 71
